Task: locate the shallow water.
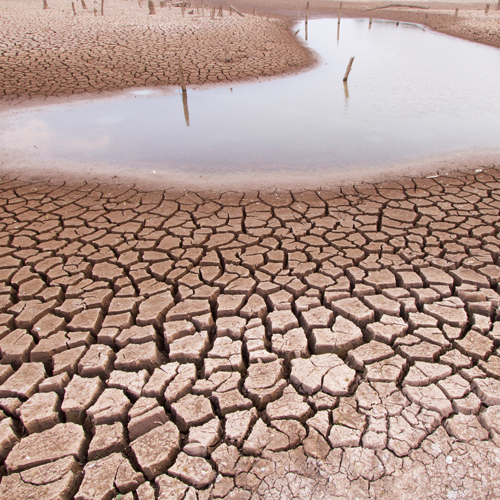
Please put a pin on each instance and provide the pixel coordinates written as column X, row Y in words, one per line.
column 411, row 93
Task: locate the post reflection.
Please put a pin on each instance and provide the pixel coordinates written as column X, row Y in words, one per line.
column 185, row 106
column 346, row 90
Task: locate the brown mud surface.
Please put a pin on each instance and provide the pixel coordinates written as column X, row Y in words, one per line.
column 332, row 344
column 53, row 52
column 335, row 343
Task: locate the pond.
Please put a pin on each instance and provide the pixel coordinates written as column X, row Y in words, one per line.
column 411, row 93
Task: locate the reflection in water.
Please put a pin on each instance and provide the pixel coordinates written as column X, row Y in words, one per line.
column 412, row 93
column 346, row 89
column 185, row 106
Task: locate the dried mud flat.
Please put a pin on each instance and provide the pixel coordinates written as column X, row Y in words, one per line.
column 332, row 344
column 54, row 52
column 338, row 343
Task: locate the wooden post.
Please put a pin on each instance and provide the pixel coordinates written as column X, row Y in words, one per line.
column 456, row 14
column 181, row 76
column 498, row 6
column 340, row 12
column 236, row 10
column 84, row 5
column 73, row 7
column 307, row 18
column 45, row 4
column 213, row 13
column 230, row 11
column 102, row 7
column 202, row 8
column 227, row 53
column 220, row 11
column 487, row 9
column 348, row 70
column 183, row 8
column 151, row 7
column 255, row 10
column 370, row 24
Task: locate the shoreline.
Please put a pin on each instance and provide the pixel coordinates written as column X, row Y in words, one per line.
column 231, row 56
column 20, row 165
column 127, row 48
column 24, row 163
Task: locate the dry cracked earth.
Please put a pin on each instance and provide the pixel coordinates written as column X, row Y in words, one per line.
column 316, row 344
column 55, row 52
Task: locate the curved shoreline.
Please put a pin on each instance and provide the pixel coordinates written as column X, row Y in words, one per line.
column 29, row 166
column 55, row 53
column 52, row 52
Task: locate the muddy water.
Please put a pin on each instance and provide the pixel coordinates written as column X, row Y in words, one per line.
column 411, row 93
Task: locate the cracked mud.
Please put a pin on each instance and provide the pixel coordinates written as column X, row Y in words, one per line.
column 55, row 52
column 328, row 344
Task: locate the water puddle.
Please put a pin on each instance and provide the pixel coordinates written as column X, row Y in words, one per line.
column 411, row 93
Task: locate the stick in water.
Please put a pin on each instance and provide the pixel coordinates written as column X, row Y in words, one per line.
column 340, row 12
column 102, row 7
column 45, row 4
column 307, row 12
column 84, row 5
column 487, row 9
column 73, row 6
column 456, row 14
column 348, row 70
column 151, row 7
